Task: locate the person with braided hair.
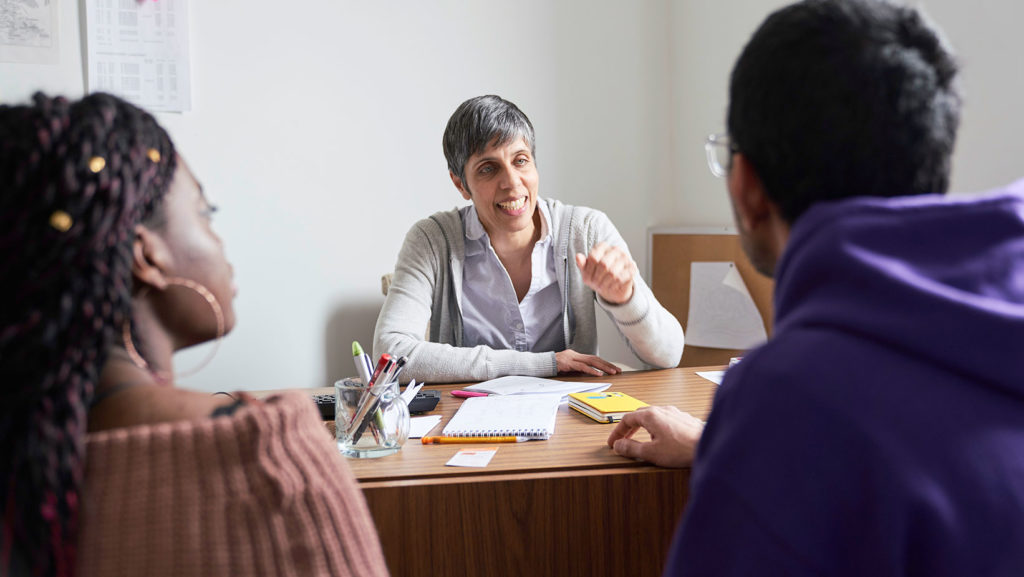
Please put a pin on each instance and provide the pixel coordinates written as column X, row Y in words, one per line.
column 109, row 266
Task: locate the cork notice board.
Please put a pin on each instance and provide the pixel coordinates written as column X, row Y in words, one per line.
column 671, row 252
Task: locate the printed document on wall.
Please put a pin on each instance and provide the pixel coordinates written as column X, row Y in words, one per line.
column 29, row 32
column 140, row 51
column 722, row 314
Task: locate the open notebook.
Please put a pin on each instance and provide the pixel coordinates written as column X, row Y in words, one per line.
column 527, row 416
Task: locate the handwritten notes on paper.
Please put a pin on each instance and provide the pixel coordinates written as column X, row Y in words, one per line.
column 28, row 31
column 722, row 314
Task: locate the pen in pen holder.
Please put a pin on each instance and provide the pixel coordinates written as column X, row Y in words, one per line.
column 369, row 422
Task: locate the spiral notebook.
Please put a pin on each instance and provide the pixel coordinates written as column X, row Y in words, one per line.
column 527, row 416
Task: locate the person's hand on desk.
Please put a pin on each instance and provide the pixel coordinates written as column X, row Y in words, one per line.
column 609, row 271
column 674, row 436
column 570, row 361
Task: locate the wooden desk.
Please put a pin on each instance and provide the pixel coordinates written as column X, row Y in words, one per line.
column 565, row 506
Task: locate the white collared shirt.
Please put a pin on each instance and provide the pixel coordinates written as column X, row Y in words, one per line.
column 491, row 313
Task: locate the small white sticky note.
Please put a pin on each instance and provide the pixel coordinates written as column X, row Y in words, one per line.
column 419, row 426
column 472, row 457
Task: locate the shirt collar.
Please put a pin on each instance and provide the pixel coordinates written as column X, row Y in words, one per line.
column 545, row 221
column 474, row 228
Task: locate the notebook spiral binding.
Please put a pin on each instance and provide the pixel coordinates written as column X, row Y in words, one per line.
column 526, row 433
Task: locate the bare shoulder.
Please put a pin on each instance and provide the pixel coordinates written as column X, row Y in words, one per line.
column 146, row 404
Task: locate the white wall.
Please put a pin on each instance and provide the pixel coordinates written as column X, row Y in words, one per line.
column 986, row 36
column 708, row 36
column 318, row 133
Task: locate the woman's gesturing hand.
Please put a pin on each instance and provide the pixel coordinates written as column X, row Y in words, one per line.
column 609, row 271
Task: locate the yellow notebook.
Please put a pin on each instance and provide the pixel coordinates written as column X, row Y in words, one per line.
column 604, row 407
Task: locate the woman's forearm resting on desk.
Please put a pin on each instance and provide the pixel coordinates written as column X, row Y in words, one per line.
column 440, row 362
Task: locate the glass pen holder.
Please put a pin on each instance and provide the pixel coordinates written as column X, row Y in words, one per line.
column 369, row 423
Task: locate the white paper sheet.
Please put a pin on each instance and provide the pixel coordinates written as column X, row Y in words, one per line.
column 713, row 376
column 410, row 391
column 519, row 385
column 140, row 51
column 722, row 314
column 29, row 31
column 420, row 426
column 472, row 457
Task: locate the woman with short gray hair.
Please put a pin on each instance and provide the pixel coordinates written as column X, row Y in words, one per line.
column 509, row 282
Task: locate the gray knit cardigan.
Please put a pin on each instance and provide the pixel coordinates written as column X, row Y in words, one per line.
column 427, row 288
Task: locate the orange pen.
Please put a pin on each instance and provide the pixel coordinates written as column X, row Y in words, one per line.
column 460, row 440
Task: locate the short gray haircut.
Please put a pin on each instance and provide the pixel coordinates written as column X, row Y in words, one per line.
column 478, row 123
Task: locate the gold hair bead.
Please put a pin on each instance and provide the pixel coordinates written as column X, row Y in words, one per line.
column 153, row 154
column 61, row 220
column 97, row 163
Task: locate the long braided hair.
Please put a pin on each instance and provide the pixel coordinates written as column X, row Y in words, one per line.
column 75, row 179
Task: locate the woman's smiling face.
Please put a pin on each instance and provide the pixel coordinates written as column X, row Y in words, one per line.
column 502, row 182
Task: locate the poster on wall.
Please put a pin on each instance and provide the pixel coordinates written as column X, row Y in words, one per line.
column 140, row 51
column 722, row 313
column 28, row 32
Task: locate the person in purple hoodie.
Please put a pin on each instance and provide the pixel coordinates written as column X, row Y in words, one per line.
column 880, row 431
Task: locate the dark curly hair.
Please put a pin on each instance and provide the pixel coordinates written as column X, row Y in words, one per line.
column 76, row 179
column 838, row 98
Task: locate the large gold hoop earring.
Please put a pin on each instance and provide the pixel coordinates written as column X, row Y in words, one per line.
column 166, row 377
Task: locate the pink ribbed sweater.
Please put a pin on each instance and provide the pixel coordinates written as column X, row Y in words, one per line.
column 261, row 492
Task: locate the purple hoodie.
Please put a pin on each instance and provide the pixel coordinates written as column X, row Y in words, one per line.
column 881, row 429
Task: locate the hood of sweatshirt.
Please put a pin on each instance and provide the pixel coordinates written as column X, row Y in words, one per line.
column 940, row 279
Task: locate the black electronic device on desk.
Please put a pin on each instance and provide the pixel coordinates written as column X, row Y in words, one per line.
column 424, row 402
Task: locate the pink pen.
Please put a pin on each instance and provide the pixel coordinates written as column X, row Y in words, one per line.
column 468, row 394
